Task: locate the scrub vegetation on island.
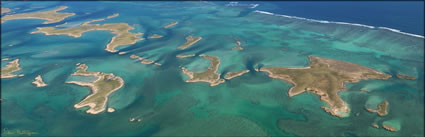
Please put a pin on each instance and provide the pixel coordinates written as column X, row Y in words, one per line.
column 11, row 67
column 51, row 16
column 324, row 77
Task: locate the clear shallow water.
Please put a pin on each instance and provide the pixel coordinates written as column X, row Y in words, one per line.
column 252, row 104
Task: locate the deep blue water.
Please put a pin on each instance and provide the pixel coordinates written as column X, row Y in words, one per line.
column 405, row 16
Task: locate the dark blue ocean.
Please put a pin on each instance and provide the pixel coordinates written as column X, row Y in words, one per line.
column 405, row 16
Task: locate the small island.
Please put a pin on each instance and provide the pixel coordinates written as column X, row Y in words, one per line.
column 324, row 77
column 231, row 75
column 5, row 10
column 382, row 109
column 210, row 76
column 97, row 20
column 38, row 82
column 171, row 24
column 238, row 47
column 121, row 30
column 51, row 16
column 122, row 53
column 143, row 60
column 189, row 42
column 102, row 87
column 401, row 76
column 389, row 128
column 11, row 67
column 155, row 36
column 185, row 56
column 375, row 125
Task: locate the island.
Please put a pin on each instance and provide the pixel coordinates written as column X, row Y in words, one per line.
column 185, row 56
column 210, row 76
column 102, row 87
column 238, row 47
column 155, row 36
column 375, row 125
column 110, row 110
column 143, row 60
column 389, row 128
column 121, row 30
column 324, row 77
column 122, row 53
column 38, row 82
column 401, row 76
column 5, row 10
column 231, row 75
column 97, row 20
column 382, row 109
column 189, row 42
column 51, row 16
column 11, row 67
column 5, row 59
column 171, row 24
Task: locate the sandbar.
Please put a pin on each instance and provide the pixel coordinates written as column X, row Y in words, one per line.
column 122, row 53
column 189, row 42
column 51, row 16
column 121, row 30
column 111, row 110
column 155, row 36
column 5, row 59
column 38, row 82
column 231, row 75
column 389, row 128
column 97, row 20
column 11, row 67
column 375, row 125
column 238, row 47
column 171, row 24
column 324, row 77
column 102, row 87
column 5, row 10
column 382, row 109
column 401, row 76
column 185, row 56
column 210, row 76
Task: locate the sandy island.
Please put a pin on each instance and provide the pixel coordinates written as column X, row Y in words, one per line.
column 122, row 53
column 389, row 128
column 231, row 75
column 143, row 60
column 324, row 77
column 11, row 67
column 97, row 20
column 375, row 125
column 51, row 16
column 189, row 42
column 210, row 76
column 185, row 56
column 155, row 36
column 121, row 30
column 382, row 109
column 5, row 10
column 401, row 76
column 101, row 88
column 38, row 82
column 238, row 47
column 110, row 110
column 171, row 24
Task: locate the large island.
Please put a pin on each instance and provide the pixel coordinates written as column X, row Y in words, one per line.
column 324, row 77
column 51, row 16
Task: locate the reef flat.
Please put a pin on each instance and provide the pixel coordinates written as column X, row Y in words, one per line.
column 51, row 16
column 324, row 77
column 102, row 87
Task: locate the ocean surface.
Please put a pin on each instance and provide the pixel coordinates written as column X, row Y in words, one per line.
column 252, row 104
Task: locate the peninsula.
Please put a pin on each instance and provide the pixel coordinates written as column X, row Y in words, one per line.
column 51, row 16
column 102, row 87
column 189, row 42
column 382, row 109
column 210, row 76
column 121, row 30
column 38, row 82
column 324, row 77
column 11, row 67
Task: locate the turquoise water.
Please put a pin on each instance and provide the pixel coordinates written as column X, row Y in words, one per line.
column 252, row 104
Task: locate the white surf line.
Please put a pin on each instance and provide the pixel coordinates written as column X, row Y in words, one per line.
column 344, row 23
column 237, row 4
